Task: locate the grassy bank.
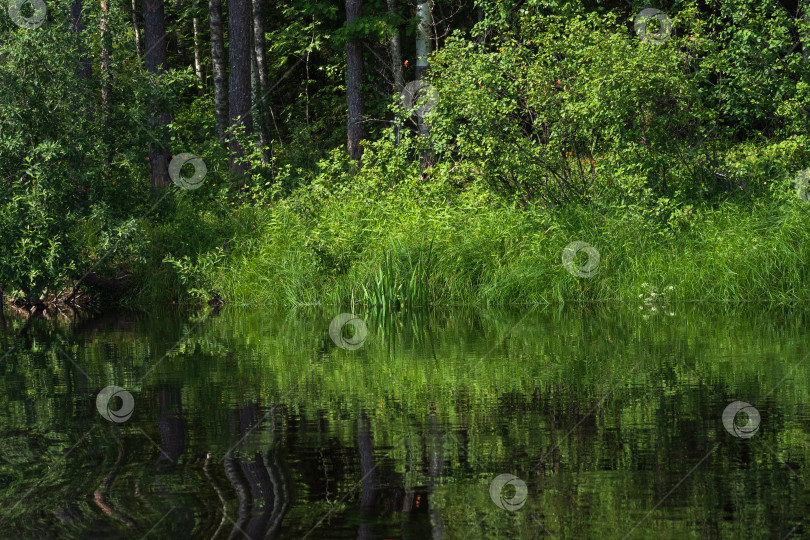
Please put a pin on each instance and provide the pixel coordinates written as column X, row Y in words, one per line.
column 364, row 237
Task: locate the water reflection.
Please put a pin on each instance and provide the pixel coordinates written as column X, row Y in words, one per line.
column 253, row 424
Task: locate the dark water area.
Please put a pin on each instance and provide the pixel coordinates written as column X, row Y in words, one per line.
column 586, row 421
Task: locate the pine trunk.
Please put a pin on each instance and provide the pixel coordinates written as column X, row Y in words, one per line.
column 239, row 30
column 154, row 35
column 354, row 79
column 219, row 68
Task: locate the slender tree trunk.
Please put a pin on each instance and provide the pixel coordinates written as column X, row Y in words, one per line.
column 179, row 28
column 154, row 35
column 260, row 57
column 137, row 28
column 239, row 30
column 424, row 31
column 219, row 68
column 424, row 34
column 806, row 40
column 84, row 69
column 354, row 80
column 105, row 55
column 195, row 25
column 395, row 49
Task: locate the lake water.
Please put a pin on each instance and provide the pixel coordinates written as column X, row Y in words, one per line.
column 584, row 421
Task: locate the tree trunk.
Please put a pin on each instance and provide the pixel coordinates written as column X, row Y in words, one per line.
column 806, row 38
column 179, row 28
column 84, row 69
column 219, row 68
column 83, row 72
column 260, row 58
column 239, row 30
column 395, row 49
column 105, row 55
column 354, row 80
column 424, row 31
column 195, row 25
column 154, row 37
column 137, row 28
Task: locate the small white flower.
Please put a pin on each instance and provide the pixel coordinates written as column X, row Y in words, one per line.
column 641, row 296
column 653, row 309
column 670, row 288
column 652, row 294
column 671, row 314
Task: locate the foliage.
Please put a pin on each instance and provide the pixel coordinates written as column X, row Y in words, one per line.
column 554, row 122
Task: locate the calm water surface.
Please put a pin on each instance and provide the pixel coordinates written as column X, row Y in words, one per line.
column 251, row 423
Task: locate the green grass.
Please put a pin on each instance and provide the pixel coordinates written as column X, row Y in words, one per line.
column 395, row 252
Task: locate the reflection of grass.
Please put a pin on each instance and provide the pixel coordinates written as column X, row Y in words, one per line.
column 563, row 384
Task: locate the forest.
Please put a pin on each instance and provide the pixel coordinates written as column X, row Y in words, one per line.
column 402, row 153
column 404, row 269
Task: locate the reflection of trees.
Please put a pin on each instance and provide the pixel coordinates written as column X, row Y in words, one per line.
column 368, row 472
column 435, row 473
column 259, row 484
column 100, row 495
column 573, row 407
column 171, row 424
